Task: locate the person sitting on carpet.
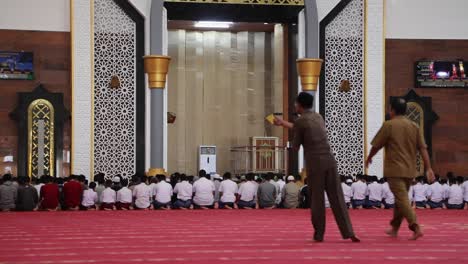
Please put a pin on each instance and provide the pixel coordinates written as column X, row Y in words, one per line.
column 109, row 197
column 290, row 193
column 266, row 193
column 455, row 196
column 247, row 193
column 90, row 198
column 183, row 189
column 465, row 192
column 374, row 191
column 420, row 193
column 153, row 182
column 116, row 183
column 27, row 196
column 347, row 191
column 50, row 195
column 142, row 194
column 387, row 195
column 38, row 183
column 203, row 192
column 124, row 197
column 162, row 193
column 73, row 192
column 8, row 194
column 100, row 179
column 435, row 195
column 359, row 189
column 227, row 192
column 304, row 196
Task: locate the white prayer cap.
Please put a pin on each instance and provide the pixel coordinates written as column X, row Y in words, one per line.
column 291, row 178
column 116, row 179
column 349, row 181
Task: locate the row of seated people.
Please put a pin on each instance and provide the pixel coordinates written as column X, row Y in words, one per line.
column 205, row 191
column 370, row 192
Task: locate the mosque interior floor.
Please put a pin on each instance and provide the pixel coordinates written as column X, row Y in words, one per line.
column 224, row 236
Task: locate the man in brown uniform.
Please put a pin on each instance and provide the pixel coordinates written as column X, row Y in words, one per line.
column 401, row 139
column 310, row 132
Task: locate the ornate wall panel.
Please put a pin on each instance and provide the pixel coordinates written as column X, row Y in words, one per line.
column 115, row 90
column 375, row 71
column 41, row 156
column 81, row 87
column 342, row 47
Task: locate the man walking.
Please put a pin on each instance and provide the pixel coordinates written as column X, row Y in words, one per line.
column 401, row 139
column 310, row 132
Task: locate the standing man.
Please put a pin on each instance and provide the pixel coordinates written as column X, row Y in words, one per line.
column 310, row 132
column 401, row 139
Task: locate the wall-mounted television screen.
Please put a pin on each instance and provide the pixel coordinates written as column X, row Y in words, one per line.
column 441, row 74
column 16, row 65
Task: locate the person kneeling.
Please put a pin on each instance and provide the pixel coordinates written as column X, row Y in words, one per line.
column 124, row 197
column 247, row 193
column 90, row 198
column 108, row 197
column 455, row 194
column 162, row 193
column 227, row 192
column 203, row 192
column 183, row 189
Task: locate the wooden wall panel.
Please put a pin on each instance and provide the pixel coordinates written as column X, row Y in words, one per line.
column 52, row 69
column 450, row 141
column 217, row 87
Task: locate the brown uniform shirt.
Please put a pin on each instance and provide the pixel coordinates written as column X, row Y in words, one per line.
column 402, row 139
column 311, row 133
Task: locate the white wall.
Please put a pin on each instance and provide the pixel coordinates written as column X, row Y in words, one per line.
column 324, row 7
column 45, row 15
column 426, row 19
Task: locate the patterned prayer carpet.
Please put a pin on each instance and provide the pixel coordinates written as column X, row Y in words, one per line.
column 223, row 236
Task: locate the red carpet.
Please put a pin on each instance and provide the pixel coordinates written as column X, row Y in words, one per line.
column 205, row 237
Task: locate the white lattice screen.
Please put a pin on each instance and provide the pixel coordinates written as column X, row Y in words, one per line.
column 114, row 108
column 344, row 111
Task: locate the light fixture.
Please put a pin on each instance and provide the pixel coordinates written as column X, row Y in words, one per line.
column 212, row 24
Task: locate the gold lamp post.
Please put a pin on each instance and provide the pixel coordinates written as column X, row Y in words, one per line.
column 156, row 66
column 309, row 71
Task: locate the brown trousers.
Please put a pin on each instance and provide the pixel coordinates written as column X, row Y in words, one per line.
column 403, row 209
column 328, row 180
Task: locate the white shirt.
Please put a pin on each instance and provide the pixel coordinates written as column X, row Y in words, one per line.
column 374, row 190
column 229, row 190
column 435, row 192
column 278, row 191
column 203, row 189
column 162, row 192
column 124, row 195
column 446, row 188
column 151, row 187
column 38, row 188
column 455, row 194
column 420, row 192
column 184, row 190
column 90, row 198
column 142, row 194
column 465, row 191
column 248, row 191
column 281, row 184
column 387, row 194
column 108, row 195
column 359, row 189
column 347, row 192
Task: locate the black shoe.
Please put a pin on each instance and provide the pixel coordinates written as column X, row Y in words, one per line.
column 318, row 238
